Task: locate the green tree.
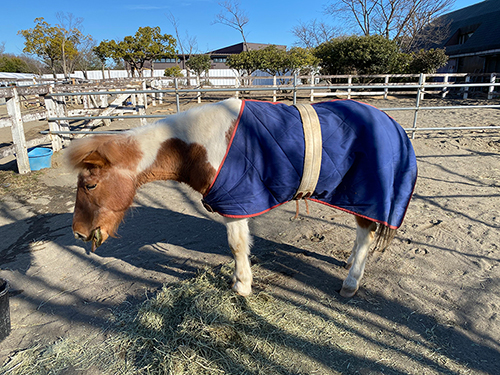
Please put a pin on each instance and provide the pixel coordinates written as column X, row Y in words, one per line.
column 245, row 63
column 103, row 51
column 273, row 60
column 57, row 46
column 280, row 62
column 43, row 41
column 427, row 62
column 147, row 45
column 13, row 64
column 174, row 71
column 371, row 54
column 199, row 64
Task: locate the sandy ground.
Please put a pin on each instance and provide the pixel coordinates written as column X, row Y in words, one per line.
column 430, row 302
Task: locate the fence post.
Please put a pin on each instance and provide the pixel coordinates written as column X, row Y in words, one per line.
column 104, row 100
column 51, row 107
column 236, row 85
column 177, row 103
column 141, row 108
column 445, row 89
column 312, row 84
column 466, row 88
column 349, row 84
column 274, row 85
column 421, row 81
column 61, row 111
column 18, row 138
column 491, row 88
column 154, row 85
column 198, row 94
column 160, row 95
column 295, row 89
column 85, row 99
column 386, row 82
column 144, row 95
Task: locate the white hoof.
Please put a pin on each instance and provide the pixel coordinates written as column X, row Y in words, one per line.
column 242, row 289
column 349, row 288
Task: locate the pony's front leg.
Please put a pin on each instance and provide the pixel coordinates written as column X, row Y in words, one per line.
column 238, row 236
column 365, row 231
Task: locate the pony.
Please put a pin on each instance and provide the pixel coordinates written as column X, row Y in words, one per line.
column 246, row 157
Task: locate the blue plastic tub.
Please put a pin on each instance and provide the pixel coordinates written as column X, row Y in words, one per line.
column 39, row 158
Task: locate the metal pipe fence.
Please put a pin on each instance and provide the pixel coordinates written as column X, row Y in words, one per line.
column 295, row 87
column 60, row 131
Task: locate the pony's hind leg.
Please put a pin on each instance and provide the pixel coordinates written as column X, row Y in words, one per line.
column 365, row 233
column 239, row 239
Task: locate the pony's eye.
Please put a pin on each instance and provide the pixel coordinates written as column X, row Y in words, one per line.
column 91, row 187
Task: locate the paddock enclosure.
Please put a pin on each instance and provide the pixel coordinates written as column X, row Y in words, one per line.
column 429, row 304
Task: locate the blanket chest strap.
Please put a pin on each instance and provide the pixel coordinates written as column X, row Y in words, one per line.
column 313, row 150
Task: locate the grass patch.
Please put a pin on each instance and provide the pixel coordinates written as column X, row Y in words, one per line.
column 198, row 326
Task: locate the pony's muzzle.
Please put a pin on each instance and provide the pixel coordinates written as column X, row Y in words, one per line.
column 95, row 237
column 80, row 236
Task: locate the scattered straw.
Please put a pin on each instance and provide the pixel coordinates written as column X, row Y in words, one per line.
column 200, row 326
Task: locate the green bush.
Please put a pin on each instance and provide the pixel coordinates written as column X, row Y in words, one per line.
column 372, row 54
column 375, row 54
column 427, row 62
column 174, row 71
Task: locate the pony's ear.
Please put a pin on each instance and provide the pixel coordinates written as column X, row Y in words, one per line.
column 85, row 151
column 95, row 159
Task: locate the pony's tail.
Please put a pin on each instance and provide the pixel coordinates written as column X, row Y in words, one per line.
column 383, row 237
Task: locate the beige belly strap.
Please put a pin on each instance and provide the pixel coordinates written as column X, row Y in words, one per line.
column 313, row 151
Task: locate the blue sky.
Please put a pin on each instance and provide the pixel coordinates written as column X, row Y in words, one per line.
column 269, row 21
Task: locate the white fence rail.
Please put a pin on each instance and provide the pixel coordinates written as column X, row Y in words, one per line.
column 97, row 108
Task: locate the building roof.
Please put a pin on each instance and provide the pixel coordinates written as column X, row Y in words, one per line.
column 240, row 47
column 479, row 22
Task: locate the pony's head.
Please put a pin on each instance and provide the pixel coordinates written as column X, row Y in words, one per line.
column 106, row 185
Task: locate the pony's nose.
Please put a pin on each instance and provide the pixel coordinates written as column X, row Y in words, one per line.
column 80, row 236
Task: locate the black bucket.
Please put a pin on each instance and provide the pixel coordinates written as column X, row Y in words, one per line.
column 4, row 309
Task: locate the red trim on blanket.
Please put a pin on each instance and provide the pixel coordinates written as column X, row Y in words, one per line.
column 228, row 147
column 354, row 213
column 252, row 215
column 314, row 200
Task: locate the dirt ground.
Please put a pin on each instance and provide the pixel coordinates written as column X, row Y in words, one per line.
column 430, row 304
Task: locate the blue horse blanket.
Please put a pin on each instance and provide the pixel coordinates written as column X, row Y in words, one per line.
column 368, row 164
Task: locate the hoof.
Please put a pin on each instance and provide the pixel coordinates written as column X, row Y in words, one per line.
column 347, row 266
column 242, row 290
column 348, row 292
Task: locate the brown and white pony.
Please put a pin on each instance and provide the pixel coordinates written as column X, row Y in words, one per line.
column 187, row 147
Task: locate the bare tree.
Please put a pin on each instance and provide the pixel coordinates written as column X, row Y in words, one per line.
column 313, row 33
column 234, row 17
column 401, row 20
column 188, row 46
column 86, row 59
column 71, row 36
